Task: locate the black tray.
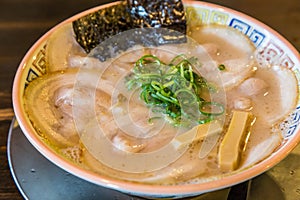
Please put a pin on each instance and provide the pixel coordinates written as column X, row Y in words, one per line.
column 38, row 178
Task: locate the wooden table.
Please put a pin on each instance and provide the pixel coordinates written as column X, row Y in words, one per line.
column 23, row 22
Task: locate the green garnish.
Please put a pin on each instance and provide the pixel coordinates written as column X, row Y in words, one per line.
column 174, row 89
column 222, row 67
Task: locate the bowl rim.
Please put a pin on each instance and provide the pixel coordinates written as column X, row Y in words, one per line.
column 140, row 188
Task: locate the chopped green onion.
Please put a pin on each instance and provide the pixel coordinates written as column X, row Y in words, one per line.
column 222, row 67
column 174, row 89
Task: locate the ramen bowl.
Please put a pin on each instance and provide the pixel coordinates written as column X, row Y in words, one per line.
column 271, row 49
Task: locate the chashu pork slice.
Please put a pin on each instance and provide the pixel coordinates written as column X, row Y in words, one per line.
column 229, row 49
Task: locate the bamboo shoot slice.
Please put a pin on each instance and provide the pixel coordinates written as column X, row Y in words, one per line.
column 197, row 133
column 233, row 141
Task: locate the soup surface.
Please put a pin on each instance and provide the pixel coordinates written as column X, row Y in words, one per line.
column 84, row 110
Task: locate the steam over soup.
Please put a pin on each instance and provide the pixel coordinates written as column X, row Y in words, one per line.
column 166, row 114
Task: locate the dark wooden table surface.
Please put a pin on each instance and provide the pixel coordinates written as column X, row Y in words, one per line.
column 23, row 22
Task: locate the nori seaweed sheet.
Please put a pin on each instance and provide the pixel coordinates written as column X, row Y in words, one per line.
column 92, row 29
column 147, row 37
column 95, row 28
column 158, row 14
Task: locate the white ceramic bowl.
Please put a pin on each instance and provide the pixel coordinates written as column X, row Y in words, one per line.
column 272, row 48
